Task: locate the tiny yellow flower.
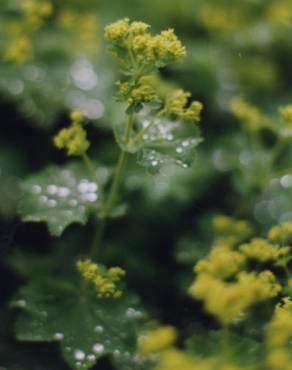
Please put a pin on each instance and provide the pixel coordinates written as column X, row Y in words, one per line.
column 104, row 280
column 73, row 138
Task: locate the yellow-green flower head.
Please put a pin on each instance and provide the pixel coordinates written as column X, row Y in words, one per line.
column 158, row 339
column 140, row 48
column 286, row 114
column 73, row 138
column 141, row 93
column 263, row 251
column 222, row 262
column 104, row 280
column 230, row 229
column 250, row 117
column 281, row 233
column 279, row 335
column 117, row 30
column 228, row 300
column 168, row 48
column 176, row 106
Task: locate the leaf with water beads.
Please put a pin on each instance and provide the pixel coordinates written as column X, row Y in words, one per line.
column 165, row 142
column 86, row 328
column 60, row 196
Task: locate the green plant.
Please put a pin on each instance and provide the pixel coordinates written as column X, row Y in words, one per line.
column 100, row 318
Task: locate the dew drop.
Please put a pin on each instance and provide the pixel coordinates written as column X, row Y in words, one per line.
column 52, row 203
column 91, row 357
column 73, row 202
column 20, row 303
column 79, row 355
column 92, row 187
column 90, row 197
column 36, row 189
column 58, row 336
column 99, row 329
column 52, row 189
column 83, row 186
column 179, row 149
column 43, row 199
column 98, row 348
column 63, row 192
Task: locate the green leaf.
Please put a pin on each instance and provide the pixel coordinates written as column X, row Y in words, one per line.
column 244, row 351
column 59, row 196
column 166, row 142
column 86, row 328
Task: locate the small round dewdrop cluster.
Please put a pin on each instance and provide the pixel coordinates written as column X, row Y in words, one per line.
column 176, row 106
column 104, row 280
column 73, row 138
column 279, row 336
column 250, row 117
column 286, row 114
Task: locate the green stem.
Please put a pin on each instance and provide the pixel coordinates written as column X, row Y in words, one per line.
column 140, row 134
column 113, row 193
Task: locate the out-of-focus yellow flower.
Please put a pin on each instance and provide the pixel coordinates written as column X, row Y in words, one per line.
column 281, row 233
column 250, row 117
column 222, row 262
column 158, row 339
column 73, row 138
column 228, row 300
column 263, row 251
column 279, row 335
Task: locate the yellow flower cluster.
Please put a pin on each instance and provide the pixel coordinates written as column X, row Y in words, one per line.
column 231, row 231
column 35, row 12
column 286, row 114
column 73, row 138
column 279, row 335
column 222, row 262
column 141, row 47
column 176, row 106
column 228, row 300
column 158, row 339
column 142, row 93
column 281, row 233
column 104, row 280
column 263, row 251
column 250, row 117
